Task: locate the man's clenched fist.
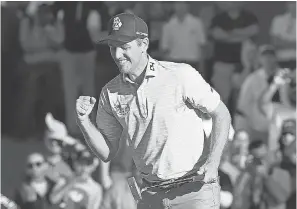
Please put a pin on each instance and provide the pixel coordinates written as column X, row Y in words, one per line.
column 84, row 106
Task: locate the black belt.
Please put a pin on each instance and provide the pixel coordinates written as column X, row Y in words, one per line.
column 174, row 183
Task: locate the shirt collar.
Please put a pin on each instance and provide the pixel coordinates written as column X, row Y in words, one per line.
column 150, row 70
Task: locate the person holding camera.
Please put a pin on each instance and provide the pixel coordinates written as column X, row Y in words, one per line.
column 277, row 112
column 259, row 185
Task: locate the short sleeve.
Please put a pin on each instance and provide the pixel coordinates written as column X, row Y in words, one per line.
column 107, row 123
column 197, row 91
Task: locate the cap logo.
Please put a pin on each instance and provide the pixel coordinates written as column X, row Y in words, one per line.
column 116, row 23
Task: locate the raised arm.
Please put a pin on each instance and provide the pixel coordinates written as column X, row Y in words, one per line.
column 104, row 140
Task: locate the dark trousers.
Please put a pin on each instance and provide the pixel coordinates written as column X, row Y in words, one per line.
column 41, row 92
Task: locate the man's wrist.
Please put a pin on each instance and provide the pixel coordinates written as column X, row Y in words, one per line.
column 85, row 122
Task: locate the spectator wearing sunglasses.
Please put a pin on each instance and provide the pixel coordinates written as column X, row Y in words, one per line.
column 278, row 112
column 35, row 189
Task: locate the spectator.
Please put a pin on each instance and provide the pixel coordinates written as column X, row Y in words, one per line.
column 276, row 113
column 10, row 56
column 81, row 191
column 157, row 17
column 58, row 163
column 183, row 36
column 78, row 58
column 226, row 195
column 249, row 117
column 229, row 30
column 36, row 188
column 283, row 34
column 288, row 148
column 40, row 38
column 259, row 186
column 239, row 149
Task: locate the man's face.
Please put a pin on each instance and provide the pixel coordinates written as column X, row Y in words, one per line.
column 260, row 152
column 35, row 166
column 268, row 61
column 181, row 9
column 126, row 56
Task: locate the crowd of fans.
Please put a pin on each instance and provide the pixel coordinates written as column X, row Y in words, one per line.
column 49, row 59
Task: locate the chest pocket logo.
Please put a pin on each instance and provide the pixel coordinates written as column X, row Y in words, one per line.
column 121, row 109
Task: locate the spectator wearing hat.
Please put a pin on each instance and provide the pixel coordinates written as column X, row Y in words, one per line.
column 80, row 191
column 278, row 112
column 249, row 116
column 59, row 166
column 283, row 35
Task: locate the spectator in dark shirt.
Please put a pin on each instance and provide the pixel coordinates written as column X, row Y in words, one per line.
column 229, row 30
column 78, row 59
column 35, row 190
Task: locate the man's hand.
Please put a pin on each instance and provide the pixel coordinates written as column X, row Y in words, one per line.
column 282, row 77
column 210, row 171
column 84, row 106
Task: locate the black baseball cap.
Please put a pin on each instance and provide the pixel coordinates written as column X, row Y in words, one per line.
column 267, row 50
column 125, row 27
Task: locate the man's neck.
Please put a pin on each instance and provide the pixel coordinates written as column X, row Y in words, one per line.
column 138, row 75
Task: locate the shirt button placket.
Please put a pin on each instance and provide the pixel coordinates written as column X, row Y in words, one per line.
column 142, row 102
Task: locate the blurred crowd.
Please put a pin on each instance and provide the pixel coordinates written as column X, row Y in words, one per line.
column 50, row 57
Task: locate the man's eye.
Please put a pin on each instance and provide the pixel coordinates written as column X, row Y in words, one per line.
column 125, row 47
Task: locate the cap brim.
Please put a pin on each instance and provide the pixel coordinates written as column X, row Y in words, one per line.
column 116, row 38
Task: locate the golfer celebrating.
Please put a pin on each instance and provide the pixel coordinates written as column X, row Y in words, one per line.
column 156, row 106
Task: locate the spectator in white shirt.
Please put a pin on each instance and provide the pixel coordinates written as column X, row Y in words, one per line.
column 283, row 34
column 41, row 39
column 183, row 36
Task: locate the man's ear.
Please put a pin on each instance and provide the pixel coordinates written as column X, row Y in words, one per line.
column 145, row 44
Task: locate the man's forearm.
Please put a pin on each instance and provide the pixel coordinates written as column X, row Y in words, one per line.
column 95, row 140
column 220, row 131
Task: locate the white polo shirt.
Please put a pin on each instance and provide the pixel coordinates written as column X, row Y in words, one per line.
column 159, row 118
column 183, row 40
column 284, row 27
